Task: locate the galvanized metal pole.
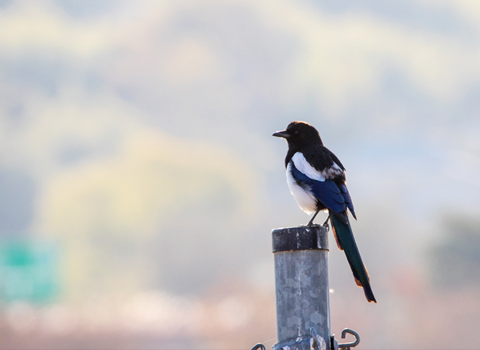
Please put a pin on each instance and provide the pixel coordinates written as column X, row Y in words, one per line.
column 302, row 292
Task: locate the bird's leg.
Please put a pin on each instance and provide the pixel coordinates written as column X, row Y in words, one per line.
column 326, row 221
column 310, row 223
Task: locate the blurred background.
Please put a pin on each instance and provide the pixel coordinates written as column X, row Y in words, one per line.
column 139, row 181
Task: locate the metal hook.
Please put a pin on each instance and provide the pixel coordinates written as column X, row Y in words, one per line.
column 347, row 346
column 259, row 346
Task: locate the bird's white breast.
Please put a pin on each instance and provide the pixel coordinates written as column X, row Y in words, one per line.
column 304, row 198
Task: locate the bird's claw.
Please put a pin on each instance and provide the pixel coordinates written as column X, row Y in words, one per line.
column 326, row 222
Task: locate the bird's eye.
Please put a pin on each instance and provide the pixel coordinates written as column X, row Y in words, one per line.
column 296, row 132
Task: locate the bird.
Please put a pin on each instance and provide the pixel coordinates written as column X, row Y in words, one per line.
column 316, row 178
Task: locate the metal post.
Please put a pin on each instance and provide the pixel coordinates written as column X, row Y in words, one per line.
column 302, row 292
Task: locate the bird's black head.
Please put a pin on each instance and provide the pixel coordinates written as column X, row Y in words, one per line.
column 300, row 134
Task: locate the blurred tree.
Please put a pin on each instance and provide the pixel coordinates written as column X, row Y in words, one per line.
column 455, row 260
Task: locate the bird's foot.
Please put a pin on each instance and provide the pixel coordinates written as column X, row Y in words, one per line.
column 310, row 223
column 326, row 222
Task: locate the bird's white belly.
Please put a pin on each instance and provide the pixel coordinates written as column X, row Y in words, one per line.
column 305, row 199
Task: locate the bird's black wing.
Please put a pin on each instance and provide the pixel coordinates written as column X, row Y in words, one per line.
column 347, row 199
column 326, row 192
column 324, row 161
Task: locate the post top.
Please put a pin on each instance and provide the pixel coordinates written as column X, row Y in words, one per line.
column 300, row 238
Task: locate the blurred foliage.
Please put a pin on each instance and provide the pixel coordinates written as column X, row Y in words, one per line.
column 455, row 259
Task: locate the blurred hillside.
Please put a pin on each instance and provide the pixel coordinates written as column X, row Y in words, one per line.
column 139, row 179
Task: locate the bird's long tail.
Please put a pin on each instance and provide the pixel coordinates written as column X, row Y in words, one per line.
column 346, row 242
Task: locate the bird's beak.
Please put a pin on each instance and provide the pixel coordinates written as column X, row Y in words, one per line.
column 283, row 134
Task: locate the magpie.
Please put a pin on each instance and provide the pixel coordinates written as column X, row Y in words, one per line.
column 317, row 181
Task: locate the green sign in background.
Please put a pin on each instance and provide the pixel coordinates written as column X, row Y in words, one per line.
column 28, row 271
